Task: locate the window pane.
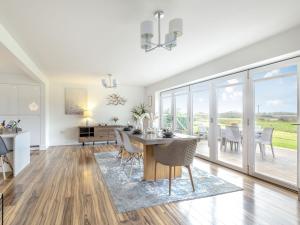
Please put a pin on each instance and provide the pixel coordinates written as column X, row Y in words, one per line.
column 275, row 136
column 200, row 120
column 230, row 123
column 166, row 121
column 181, row 102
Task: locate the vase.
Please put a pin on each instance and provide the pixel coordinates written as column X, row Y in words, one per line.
column 141, row 124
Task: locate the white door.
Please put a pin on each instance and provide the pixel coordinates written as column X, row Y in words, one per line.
column 230, row 124
column 200, row 116
column 181, row 111
column 275, row 106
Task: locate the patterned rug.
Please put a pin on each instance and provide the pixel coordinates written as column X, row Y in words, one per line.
column 132, row 193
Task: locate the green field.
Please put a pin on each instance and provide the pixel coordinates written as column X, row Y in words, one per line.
column 284, row 136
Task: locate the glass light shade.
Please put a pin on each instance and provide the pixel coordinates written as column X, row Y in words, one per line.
column 147, row 29
column 145, row 44
column 175, row 27
column 33, row 107
column 103, row 81
column 170, row 40
column 114, row 83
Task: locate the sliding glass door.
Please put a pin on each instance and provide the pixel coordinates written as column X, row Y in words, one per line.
column 200, row 116
column 181, row 103
column 229, row 108
column 167, row 111
column 275, row 107
column 246, row 121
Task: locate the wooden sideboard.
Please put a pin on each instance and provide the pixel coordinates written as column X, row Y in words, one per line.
column 97, row 133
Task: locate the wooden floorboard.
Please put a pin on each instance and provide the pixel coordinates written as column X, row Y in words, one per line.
column 64, row 186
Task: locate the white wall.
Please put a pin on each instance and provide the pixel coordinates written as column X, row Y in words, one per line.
column 266, row 51
column 63, row 128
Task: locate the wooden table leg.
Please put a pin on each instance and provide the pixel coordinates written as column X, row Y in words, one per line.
column 149, row 166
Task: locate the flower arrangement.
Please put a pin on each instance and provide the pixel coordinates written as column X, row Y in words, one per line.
column 139, row 113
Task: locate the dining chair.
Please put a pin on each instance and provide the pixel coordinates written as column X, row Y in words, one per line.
column 177, row 153
column 234, row 137
column 119, row 144
column 3, row 157
column 133, row 151
column 203, row 132
column 265, row 138
column 221, row 137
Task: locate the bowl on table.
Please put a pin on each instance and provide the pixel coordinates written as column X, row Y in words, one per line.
column 168, row 134
column 137, row 132
column 127, row 129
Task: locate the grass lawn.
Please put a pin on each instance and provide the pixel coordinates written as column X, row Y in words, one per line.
column 284, row 136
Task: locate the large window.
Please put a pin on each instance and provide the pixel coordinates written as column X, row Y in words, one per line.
column 229, row 107
column 246, row 121
column 181, row 111
column 275, row 113
column 200, row 116
column 167, row 111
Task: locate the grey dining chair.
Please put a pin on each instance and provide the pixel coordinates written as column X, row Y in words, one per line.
column 3, row 157
column 177, row 153
column 133, row 151
column 265, row 139
column 119, row 144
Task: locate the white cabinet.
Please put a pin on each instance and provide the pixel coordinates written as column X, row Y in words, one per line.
column 8, row 99
column 29, row 99
column 33, row 125
column 22, row 102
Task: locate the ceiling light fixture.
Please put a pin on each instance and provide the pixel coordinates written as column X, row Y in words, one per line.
column 175, row 31
column 109, row 82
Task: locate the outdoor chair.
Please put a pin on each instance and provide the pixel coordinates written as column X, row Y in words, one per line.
column 265, row 139
column 234, row 137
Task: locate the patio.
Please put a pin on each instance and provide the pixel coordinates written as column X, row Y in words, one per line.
column 283, row 166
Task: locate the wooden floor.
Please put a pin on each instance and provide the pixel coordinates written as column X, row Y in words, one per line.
column 64, row 186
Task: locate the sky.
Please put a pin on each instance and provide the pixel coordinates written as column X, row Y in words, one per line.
column 271, row 95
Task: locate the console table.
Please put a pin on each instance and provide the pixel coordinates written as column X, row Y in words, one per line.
column 97, row 133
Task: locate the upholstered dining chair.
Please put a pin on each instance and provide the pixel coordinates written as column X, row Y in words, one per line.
column 119, row 144
column 177, row 153
column 133, row 151
column 3, row 157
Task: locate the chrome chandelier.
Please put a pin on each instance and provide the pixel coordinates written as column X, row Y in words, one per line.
column 109, row 82
column 175, row 31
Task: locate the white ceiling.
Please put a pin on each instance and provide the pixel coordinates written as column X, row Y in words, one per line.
column 78, row 39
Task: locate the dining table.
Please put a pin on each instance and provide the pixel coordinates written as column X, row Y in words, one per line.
column 147, row 142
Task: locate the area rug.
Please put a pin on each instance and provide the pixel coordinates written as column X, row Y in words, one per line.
column 132, row 193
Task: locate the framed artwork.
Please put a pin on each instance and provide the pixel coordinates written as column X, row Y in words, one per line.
column 75, row 101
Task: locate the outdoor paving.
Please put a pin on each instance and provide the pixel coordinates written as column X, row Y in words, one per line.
column 283, row 166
